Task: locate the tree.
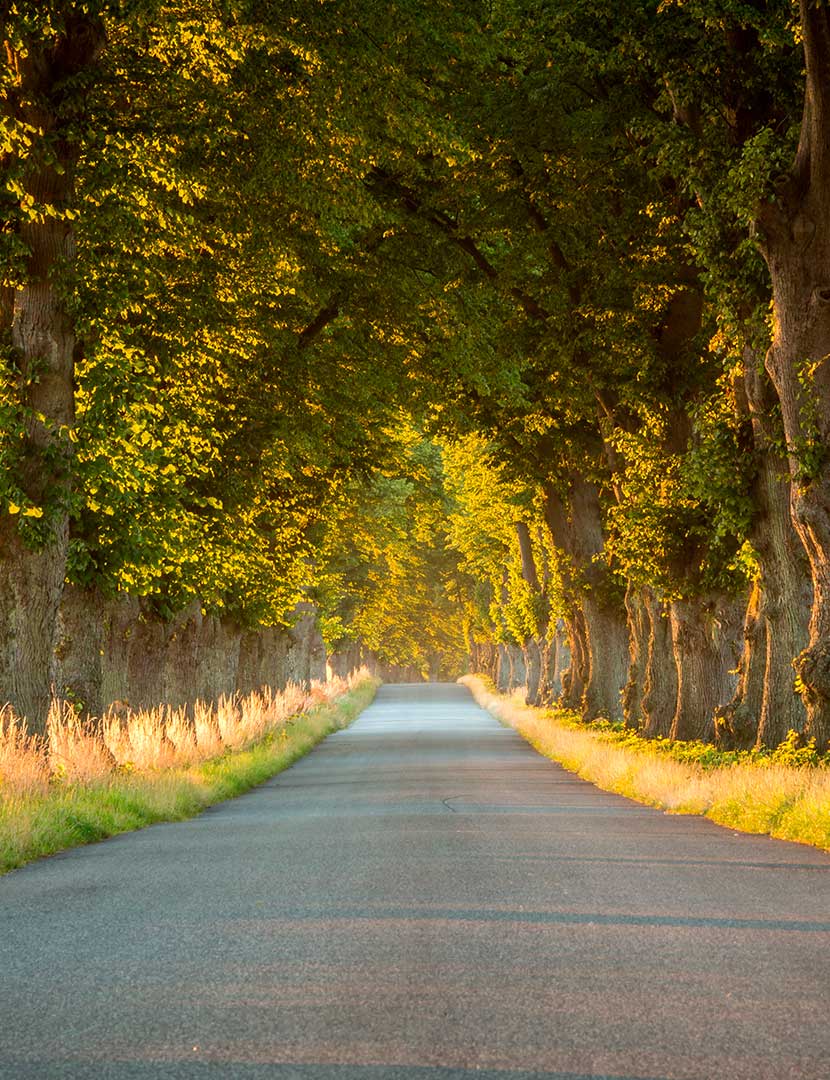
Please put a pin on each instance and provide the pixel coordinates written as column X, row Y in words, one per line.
column 51, row 50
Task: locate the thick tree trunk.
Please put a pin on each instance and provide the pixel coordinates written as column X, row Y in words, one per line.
column 660, row 684
column 602, row 608
column 80, row 654
column 736, row 724
column 485, row 659
column 638, row 635
column 794, row 230
column 516, row 660
column 785, row 608
column 705, row 634
column 45, row 95
column 599, row 637
column 532, row 655
column 263, row 659
column 575, row 676
column 786, row 590
column 607, row 636
column 343, row 661
column 503, row 669
column 547, row 661
column 766, row 705
column 560, row 660
column 201, row 657
column 532, row 648
column 306, row 653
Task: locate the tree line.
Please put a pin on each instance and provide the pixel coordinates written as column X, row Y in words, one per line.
column 489, row 327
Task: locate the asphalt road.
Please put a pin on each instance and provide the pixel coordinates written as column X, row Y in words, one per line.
column 422, row 897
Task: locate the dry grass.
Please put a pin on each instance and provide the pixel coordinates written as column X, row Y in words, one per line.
column 79, row 751
column 788, row 802
column 24, row 766
column 86, row 781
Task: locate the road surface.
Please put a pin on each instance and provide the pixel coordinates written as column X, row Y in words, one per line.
column 423, row 897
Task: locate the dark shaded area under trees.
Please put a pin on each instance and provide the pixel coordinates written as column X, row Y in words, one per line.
column 497, row 332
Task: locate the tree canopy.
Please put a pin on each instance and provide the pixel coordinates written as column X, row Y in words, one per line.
column 477, row 324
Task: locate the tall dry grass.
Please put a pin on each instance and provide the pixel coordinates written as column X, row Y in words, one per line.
column 87, row 751
column 86, row 781
column 788, row 802
column 24, row 759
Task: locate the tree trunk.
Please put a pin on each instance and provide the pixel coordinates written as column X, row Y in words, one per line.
column 736, row 724
column 705, row 633
column 531, row 649
column 81, row 654
column 547, row 661
column 600, row 635
column 503, row 669
column 638, row 634
column 575, row 676
column 516, row 658
column 786, row 590
column 48, row 96
column 660, row 684
column 766, row 705
column 560, row 659
column 794, row 231
column 603, row 610
column 785, row 608
column 607, row 639
column 485, row 659
column 533, row 670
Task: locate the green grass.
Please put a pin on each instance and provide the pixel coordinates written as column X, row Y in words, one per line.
column 784, row 792
column 73, row 814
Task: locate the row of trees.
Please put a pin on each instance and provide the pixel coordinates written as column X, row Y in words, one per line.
column 628, row 230
column 525, row 302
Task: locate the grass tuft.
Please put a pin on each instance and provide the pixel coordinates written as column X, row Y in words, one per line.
column 90, row 781
column 784, row 792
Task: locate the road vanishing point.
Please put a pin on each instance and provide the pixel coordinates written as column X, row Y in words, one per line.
column 422, row 897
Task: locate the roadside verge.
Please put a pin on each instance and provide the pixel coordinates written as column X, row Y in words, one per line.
column 779, row 794
column 62, row 813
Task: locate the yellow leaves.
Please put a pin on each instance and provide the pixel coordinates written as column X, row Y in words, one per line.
column 28, row 511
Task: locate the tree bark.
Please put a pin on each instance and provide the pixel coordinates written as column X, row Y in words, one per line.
column 660, row 683
column 608, row 659
column 80, row 653
column 786, row 588
column 736, row 724
column 766, row 705
column 503, row 669
column 560, row 659
column 518, row 675
column 599, row 638
column 575, row 676
column 794, row 231
column 638, row 635
column 46, row 96
column 532, row 655
column 602, row 608
column 705, row 633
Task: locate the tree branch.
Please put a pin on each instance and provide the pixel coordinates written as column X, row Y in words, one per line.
column 812, row 162
column 320, row 321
